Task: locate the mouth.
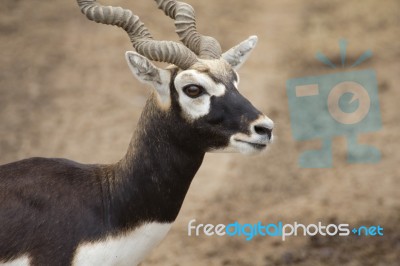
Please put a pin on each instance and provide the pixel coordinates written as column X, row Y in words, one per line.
column 258, row 146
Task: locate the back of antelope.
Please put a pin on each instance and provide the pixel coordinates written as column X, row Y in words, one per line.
column 60, row 212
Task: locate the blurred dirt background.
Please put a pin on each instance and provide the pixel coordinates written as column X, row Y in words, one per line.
column 66, row 91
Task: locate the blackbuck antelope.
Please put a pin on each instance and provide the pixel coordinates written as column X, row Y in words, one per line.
column 60, row 212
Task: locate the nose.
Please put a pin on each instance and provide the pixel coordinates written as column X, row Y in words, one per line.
column 263, row 127
column 262, row 130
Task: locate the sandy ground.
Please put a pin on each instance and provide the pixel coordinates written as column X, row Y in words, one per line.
column 65, row 91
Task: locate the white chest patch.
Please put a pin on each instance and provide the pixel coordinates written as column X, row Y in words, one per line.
column 129, row 249
column 21, row 261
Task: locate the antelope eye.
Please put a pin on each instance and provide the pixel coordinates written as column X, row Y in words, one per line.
column 193, row 91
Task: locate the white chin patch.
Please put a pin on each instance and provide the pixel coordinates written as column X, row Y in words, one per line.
column 244, row 144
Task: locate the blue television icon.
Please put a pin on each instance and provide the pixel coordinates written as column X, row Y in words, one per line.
column 339, row 104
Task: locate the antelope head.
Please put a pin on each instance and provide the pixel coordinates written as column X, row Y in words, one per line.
column 200, row 88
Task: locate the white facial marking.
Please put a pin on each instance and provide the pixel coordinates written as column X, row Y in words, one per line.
column 246, row 145
column 21, row 261
column 197, row 107
column 264, row 121
column 250, row 144
column 129, row 249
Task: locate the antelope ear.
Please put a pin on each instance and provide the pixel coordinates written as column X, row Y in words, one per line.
column 237, row 55
column 145, row 71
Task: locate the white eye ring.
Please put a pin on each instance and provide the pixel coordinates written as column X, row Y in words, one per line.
column 193, row 91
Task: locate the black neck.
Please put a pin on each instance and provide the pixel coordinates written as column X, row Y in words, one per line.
column 151, row 181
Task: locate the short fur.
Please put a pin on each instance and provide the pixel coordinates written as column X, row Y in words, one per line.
column 50, row 206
